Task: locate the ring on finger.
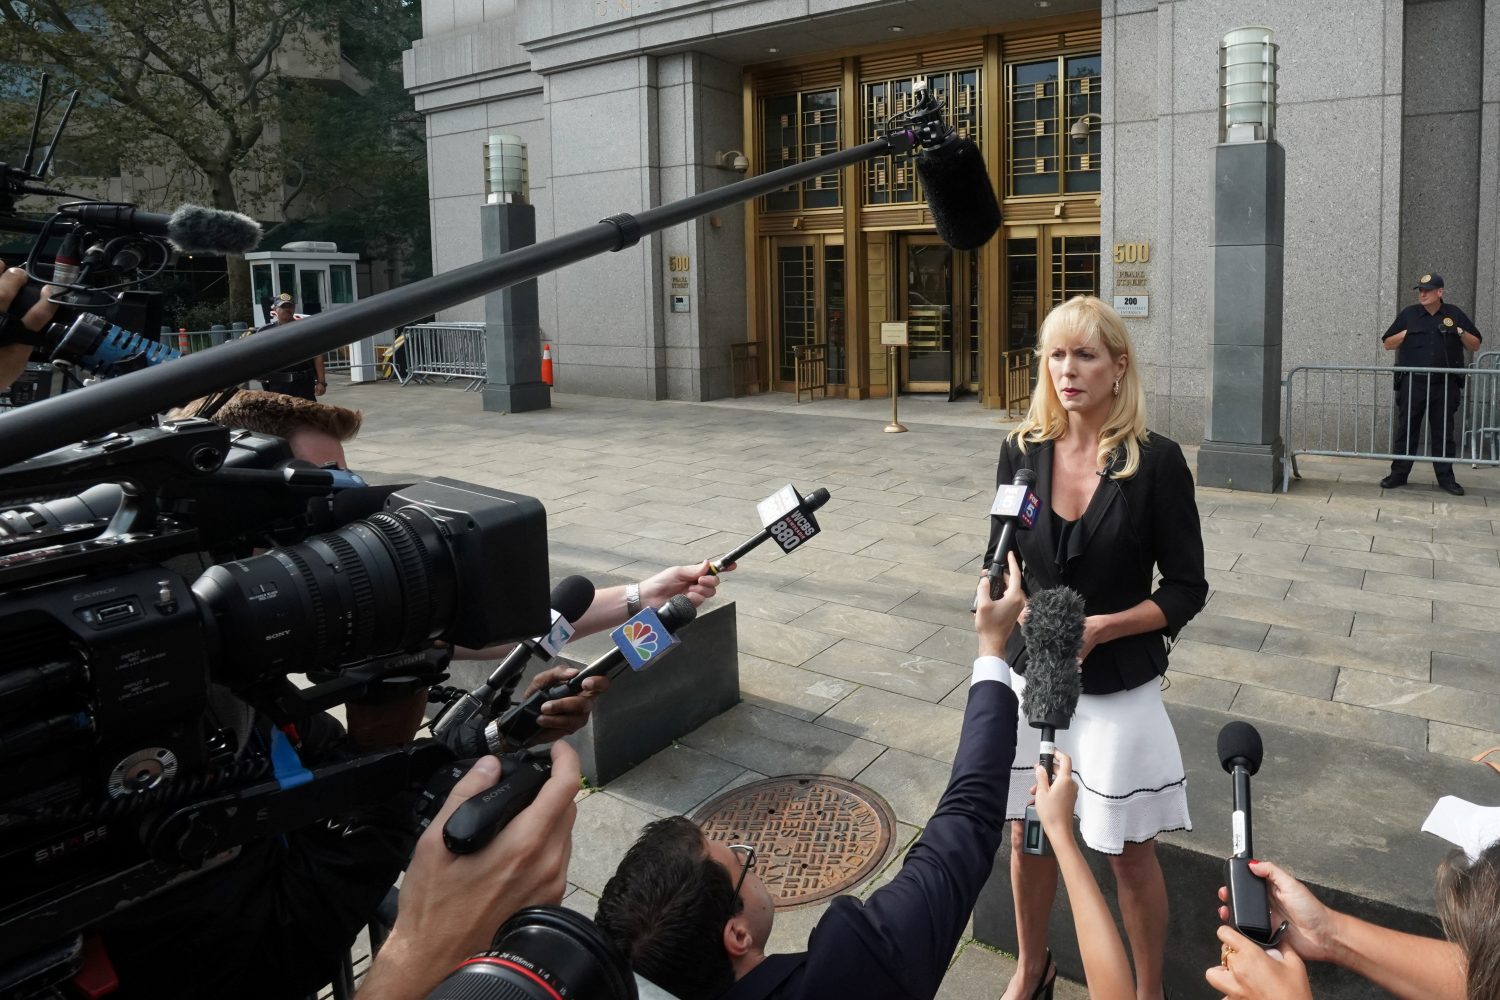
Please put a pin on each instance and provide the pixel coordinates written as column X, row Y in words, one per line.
column 1224, row 952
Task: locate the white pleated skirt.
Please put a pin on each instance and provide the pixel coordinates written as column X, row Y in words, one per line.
column 1126, row 763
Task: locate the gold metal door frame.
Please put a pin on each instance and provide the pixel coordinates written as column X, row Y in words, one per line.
column 1046, row 294
column 958, row 314
column 819, row 243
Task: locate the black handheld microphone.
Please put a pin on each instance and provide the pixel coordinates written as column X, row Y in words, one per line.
column 1240, row 753
column 570, row 599
column 959, row 194
column 1015, row 505
column 523, row 721
column 191, row 229
column 1053, row 631
column 790, row 531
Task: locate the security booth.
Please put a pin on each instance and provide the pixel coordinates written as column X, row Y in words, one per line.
column 318, row 277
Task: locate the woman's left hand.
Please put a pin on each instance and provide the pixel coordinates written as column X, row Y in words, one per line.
column 1095, row 628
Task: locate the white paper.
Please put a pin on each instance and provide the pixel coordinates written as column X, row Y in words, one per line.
column 778, row 503
column 1464, row 824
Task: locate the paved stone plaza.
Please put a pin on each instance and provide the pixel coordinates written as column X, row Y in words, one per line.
column 1341, row 608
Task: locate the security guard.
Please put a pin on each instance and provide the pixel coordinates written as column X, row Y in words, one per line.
column 306, row 379
column 1430, row 334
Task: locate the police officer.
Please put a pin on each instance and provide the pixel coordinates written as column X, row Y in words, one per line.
column 305, row 379
column 1430, row 334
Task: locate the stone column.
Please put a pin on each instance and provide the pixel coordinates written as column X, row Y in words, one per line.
column 513, row 335
column 1242, row 446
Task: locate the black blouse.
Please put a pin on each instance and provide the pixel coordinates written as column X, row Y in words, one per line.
column 1131, row 529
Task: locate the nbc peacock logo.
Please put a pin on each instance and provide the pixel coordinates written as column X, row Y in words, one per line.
column 642, row 638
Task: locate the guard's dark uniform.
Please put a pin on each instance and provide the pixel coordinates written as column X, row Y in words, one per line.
column 1432, row 341
column 297, row 380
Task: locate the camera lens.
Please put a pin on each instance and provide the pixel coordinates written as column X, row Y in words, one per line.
column 380, row 585
column 542, row 953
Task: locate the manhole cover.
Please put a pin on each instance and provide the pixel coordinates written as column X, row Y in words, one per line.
column 814, row 836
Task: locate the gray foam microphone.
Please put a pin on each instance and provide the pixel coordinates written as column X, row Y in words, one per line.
column 1053, row 632
column 191, row 229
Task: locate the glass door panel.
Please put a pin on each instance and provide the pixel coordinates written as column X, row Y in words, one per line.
column 1075, row 266
column 928, row 358
column 312, row 292
column 834, row 325
column 795, row 315
column 1022, row 290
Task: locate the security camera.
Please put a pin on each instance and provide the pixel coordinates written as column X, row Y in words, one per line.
column 733, row 160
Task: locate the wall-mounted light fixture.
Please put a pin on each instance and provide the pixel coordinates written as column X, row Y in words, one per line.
column 732, row 160
column 1247, row 85
column 505, row 170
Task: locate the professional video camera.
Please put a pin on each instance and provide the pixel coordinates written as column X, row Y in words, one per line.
column 115, row 780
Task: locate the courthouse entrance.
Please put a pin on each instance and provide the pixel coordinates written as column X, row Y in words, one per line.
column 941, row 310
column 833, row 258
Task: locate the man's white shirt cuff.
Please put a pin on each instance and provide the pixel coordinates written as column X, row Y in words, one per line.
column 990, row 668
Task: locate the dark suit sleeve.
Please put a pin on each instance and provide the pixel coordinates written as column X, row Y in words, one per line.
column 1396, row 327
column 1005, row 471
column 1178, row 539
column 898, row 942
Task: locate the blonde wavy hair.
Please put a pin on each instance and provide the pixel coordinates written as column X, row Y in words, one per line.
column 1046, row 420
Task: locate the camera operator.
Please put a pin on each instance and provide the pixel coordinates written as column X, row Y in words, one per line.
column 15, row 342
column 694, row 917
column 451, row 905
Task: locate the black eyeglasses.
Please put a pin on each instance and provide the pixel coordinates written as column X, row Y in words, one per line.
column 748, row 853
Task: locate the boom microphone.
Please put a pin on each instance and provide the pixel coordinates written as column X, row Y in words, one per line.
column 959, row 194
column 191, row 229
column 1240, row 753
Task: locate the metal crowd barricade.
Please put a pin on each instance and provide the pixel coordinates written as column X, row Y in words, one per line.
column 1349, row 411
column 1482, row 407
column 446, row 351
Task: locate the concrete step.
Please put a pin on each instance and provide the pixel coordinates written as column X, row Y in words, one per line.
column 1344, row 815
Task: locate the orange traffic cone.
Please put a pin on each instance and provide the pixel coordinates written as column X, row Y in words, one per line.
column 182, row 340
column 547, row 364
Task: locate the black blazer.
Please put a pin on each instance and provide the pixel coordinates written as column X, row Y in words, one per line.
column 1130, row 527
column 897, row 944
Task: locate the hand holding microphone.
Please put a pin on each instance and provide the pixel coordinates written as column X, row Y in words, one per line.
column 1053, row 631
column 1249, row 908
column 1016, row 506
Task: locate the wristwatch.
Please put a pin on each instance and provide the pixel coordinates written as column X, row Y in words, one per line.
column 320, row 382
column 632, row 599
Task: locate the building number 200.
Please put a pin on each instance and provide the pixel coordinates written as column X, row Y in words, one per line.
column 1132, row 253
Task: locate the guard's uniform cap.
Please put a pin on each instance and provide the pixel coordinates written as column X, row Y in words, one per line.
column 1429, row 281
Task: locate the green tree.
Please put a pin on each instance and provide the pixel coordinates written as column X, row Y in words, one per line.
column 199, row 89
column 359, row 159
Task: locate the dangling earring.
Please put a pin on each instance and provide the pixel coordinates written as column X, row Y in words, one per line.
column 1117, row 387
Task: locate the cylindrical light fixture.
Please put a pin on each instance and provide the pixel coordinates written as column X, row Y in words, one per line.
column 1247, row 85
column 505, row 169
